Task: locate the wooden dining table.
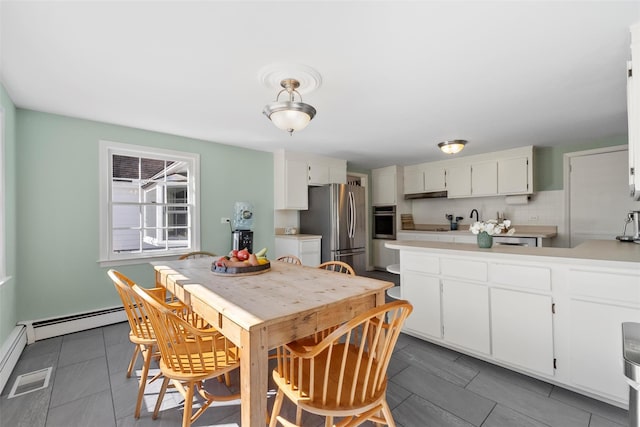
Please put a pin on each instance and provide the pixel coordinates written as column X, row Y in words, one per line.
column 262, row 311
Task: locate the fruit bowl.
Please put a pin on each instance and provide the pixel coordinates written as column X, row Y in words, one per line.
column 240, row 271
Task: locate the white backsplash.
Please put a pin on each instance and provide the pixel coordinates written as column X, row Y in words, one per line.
column 544, row 208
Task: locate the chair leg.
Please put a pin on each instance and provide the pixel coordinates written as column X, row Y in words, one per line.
column 163, row 390
column 136, row 350
column 277, row 405
column 146, row 356
column 328, row 421
column 188, row 404
column 386, row 412
column 298, row 415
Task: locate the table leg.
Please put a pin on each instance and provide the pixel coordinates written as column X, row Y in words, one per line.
column 254, row 368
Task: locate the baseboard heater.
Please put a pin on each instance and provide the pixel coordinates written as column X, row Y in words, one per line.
column 52, row 327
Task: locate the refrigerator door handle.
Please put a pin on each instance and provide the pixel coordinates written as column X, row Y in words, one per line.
column 352, row 215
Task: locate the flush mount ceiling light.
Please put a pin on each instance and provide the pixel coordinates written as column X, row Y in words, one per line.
column 289, row 115
column 452, row 147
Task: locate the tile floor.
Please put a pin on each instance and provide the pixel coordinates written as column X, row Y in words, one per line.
column 428, row 386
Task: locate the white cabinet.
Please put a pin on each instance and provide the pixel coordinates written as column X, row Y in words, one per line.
column 465, row 315
column 326, row 170
column 423, row 291
column 434, row 177
column 293, row 172
column 384, row 186
column 514, row 176
column 290, row 182
column 459, row 180
column 414, row 179
column 307, row 248
column 383, row 256
column 521, row 329
column 484, row 178
column 318, row 172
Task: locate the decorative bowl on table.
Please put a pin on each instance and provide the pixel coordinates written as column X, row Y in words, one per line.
column 223, row 270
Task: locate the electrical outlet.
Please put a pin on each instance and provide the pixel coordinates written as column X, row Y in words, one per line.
column 533, row 218
column 225, row 220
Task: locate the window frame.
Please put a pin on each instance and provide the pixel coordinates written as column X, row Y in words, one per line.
column 107, row 256
column 4, row 278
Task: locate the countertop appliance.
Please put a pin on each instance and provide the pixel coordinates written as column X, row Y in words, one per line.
column 634, row 217
column 337, row 213
column 242, row 236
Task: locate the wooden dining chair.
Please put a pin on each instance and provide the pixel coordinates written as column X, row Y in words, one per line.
column 197, row 254
column 189, row 356
column 345, row 374
column 291, row 259
column 338, row 267
column 142, row 334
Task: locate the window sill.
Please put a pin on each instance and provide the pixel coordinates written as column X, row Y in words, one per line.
column 134, row 261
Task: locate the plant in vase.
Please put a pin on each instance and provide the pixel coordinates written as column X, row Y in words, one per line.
column 485, row 230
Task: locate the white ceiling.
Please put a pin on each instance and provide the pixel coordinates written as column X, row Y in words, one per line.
column 397, row 77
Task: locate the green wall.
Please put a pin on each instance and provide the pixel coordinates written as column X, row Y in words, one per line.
column 8, row 309
column 57, row 176
column 548, row 161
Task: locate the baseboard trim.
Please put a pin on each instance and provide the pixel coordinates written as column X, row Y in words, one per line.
column 10, row 353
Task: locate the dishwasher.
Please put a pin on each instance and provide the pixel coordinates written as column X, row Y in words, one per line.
column 515, row 241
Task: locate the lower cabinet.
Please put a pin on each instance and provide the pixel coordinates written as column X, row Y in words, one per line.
column 465, row 315
column 522, row 329
column 423, row 291
column 383, row 256
column 305, row 248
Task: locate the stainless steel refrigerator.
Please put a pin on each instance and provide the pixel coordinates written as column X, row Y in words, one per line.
column 337, row 213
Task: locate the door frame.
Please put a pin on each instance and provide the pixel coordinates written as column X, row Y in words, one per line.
column 567, row 179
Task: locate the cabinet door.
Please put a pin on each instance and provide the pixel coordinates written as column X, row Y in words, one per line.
column 413, row 180
column 423, row 291
column 459, row 181
column 434, row 178
column 296, row 192
column 383, row 187
column 513, row 176
column 338, row 171
column 595, row 346
column 318, row 173
column 521, row 329
column 309, row 252
column 465, row 315
column 484, row 179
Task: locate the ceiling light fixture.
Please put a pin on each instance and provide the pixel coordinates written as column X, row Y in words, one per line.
column 289, row 115
column 452, row 147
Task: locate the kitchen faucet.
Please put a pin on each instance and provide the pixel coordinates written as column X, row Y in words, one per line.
column 477, row 215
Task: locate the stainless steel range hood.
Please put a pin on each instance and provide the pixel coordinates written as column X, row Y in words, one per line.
column 426, row 195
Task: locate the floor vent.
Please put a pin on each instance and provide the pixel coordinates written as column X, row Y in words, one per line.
column 31, row 381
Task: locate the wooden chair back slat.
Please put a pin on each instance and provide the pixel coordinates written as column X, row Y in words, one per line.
column 291, row 259
column 197, row 254
column 338, row 267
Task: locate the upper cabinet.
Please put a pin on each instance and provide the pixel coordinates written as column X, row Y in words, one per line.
column 326, row 170
column 499, row 173
column 425, row 177
column 514, row 175
column 633, row 110
column 294, row 172
column 384, row 186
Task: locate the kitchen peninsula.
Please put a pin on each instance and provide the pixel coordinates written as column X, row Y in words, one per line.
column 552, row 313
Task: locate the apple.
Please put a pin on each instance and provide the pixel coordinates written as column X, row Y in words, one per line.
column 243, row 255
column 233, row 253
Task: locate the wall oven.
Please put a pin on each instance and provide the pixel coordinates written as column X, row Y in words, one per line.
column 384, row 222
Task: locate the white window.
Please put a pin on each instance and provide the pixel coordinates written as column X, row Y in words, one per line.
column 148, row 202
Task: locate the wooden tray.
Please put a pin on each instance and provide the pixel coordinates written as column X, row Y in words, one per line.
column 249, row 270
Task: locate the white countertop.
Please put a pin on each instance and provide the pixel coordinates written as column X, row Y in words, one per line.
column 603, row 250
column 298, row 236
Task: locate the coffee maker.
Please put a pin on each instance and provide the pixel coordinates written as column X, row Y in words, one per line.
column 242, row 236
column 632, row 217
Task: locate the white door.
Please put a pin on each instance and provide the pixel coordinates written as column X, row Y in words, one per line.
column 423, row 291
column 598, row 195
column 465, row 315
